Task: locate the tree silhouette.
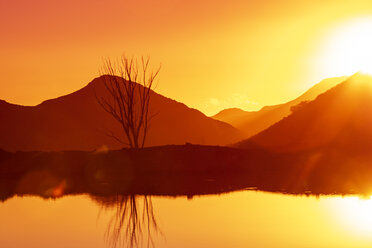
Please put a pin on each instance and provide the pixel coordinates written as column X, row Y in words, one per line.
column 129, row 83
column 297, row 107
column 133, row 223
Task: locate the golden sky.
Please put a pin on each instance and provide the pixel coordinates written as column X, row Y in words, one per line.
column 214, row 54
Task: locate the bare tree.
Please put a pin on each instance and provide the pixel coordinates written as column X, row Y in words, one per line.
column 129, row 83
column 133, row 224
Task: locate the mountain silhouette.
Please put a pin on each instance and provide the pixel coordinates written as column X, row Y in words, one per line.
column 77, row 122
column 338, row 120
column 253, row 122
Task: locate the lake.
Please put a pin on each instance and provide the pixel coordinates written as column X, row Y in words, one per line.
column 237, row 219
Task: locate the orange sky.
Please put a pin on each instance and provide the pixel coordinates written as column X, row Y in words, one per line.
column 215, row 54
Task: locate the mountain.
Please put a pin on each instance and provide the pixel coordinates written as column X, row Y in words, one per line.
column 77, row 122
column 339, row 120
column 253, row 122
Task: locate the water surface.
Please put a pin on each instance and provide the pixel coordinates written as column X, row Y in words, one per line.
column 238, row 219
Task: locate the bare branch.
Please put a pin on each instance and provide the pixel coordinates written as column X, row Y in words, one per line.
column 128, row 85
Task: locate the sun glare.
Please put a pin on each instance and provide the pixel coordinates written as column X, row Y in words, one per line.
column 354, row 214
column 347, row 49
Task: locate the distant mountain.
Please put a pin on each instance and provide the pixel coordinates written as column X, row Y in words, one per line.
column 253, row 122
column 77, row 122
column 233, row 116
column 339, row 120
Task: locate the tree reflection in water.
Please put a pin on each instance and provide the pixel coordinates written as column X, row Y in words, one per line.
column 133, row 223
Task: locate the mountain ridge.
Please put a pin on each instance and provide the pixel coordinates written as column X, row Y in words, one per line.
column 339, row 118
column 76, row 122
column 253, row 122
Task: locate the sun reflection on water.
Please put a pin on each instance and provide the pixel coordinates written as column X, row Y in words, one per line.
column 353, row 214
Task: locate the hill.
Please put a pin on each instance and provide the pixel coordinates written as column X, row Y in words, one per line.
column 339, row 120
column 77, row 122
column 253, row 122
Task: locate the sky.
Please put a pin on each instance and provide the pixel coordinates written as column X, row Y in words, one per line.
column 214, row 54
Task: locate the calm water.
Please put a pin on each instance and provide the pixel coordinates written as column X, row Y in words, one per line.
column 239, row 219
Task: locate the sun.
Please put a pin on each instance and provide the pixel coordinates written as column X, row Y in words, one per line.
column 347, row 49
